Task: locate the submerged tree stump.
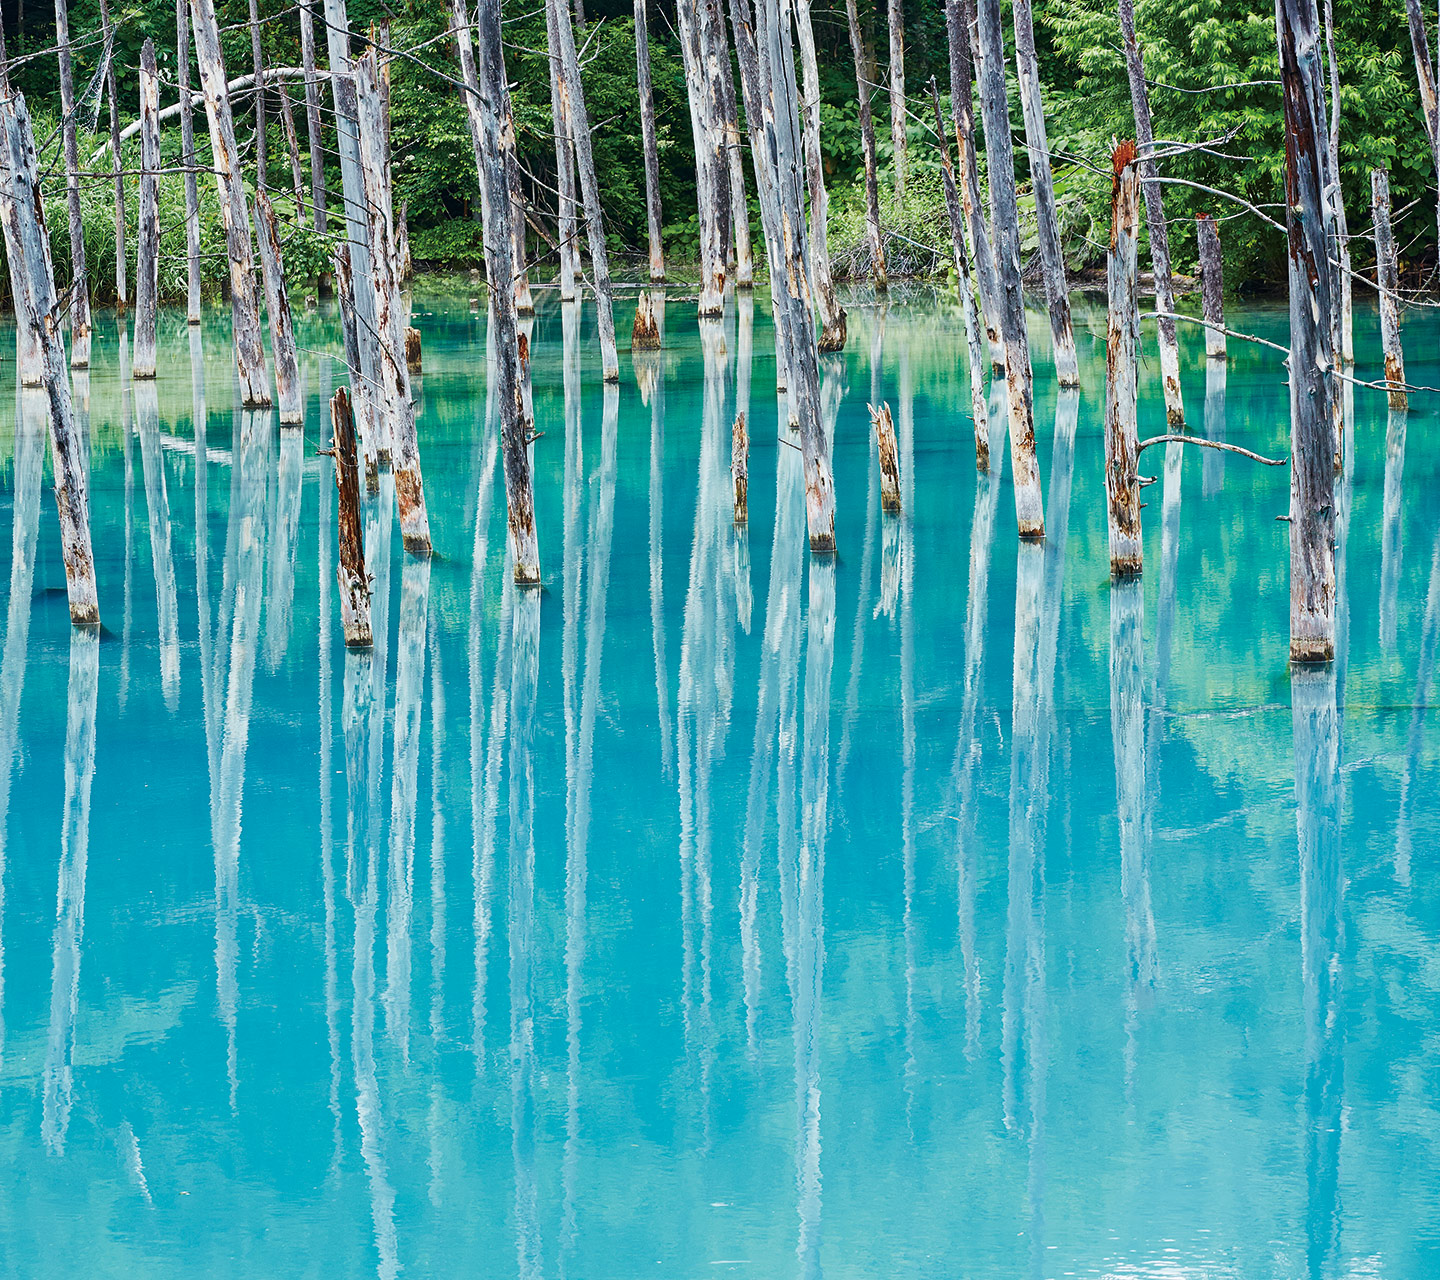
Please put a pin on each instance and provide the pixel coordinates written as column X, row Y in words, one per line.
column 645, row 332
column 889, row 455
column 740, row 468
column 1387, row 277
column 1122, row 437
column 413, row 361
column 147, row 247
column 350, row 572
column 277, row 304
column 1212, row 285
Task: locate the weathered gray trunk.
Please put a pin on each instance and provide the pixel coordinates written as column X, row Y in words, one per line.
column 122, row 293
column 510, row 357
column 1122, row 437
column 897, row 92
column 735, row 163
column 524, row 300
column 867, row 146
column 1312, row 420
column 258, row 57
column 1154, row 219
column 244, row 298
column 361, row 389
column 187, row 159
column 1387, row 278
column 966, row 286
column 277, row 304
column 1042, row 182
column 1341, row 250
column 1425, row 77
column 292, row 145
column 403, row 260
column 712, row 174
column 832, row 314
column 566, row 216
column 1212, row 285
column 38, row 309
column 652, row 152
column 350, row 573
column 313, row 132
column 147, row 237
column 80, row 296
column 1005, row 216
column 889, row 457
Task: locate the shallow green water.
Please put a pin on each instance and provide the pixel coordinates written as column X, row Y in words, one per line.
column 938, row 910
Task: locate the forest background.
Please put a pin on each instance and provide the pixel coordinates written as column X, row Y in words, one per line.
column 1212, row 66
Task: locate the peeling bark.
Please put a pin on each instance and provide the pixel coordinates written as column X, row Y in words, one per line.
column 1212, row 285
column 1387, row 277
column 645, row 333
column 867, row 146
column 350, row 573
column 80, row 289
column 147, row 240
column 277, row 304
column 1122, row 436
column 187, row 159
column 712, row 174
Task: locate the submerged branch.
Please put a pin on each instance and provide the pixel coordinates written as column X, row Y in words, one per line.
column 1211, row 444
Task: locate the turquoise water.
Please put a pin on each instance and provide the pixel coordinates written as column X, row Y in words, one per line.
column 938, row 910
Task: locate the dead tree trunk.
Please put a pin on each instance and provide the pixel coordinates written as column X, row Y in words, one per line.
column 292, row 145
column 350, row 572
column 1341, row 252
column 187, row 159
column 832, row 314
column 1122, row 435
column 652, row 153
column 1042, row 181
column 735, row 162
column 645, row 332
column 80, row 299
column 966, row 286
column 1387, row 278
column 1212, row 285
column 524, row 300
column 889, row 455
column 1425, row 77
column 361, row 390
column 277, row 303
column 244, row 299
column 712, row 181
column 258, row 56
column 1005, row 215
column 867, row 147
column 897, row 92
column 38, row 310
column 312, row 115
column 1154, row 220
column 1312, row 420
column 740, row 468
column 510, row 356
column 566, row 216
column 121, row 292
column 147, row 238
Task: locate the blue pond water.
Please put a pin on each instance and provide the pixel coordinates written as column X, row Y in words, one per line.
column 937, row 910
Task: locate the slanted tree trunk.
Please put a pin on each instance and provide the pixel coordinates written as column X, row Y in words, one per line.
column 1387, row 278
column 361, row 390
column 959, row 20
column 350, row 571
column 1425, row 77
column 147, row 241
column 1312, row 420
column 277, row 303
column 712, row 179
column 121, row 292
column 1005, row 216
column 1122, row 436
column 867, row 146
column 1154, row 219
column 590, row 192
column 966, row 285
column 313, row 131
column 1341, row 252
column 647, row 132
column 1042, row 182
column 38, row 309
column 897, row 92
column 244, row 299
column 510, row 356
column 80, row 295
column 832, row 314
column 258, row 55
column 1212, row 285
column 187, row 159
column 566, row 217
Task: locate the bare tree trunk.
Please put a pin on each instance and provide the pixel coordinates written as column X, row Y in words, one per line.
column 362, row 390
column 258, row 56
column 897, row 93
column 1425, row 77
column 735, row 163
column 1312, row 420
column 1042, row 181
column 121, row 292
column 652, row 153
column 38, row 309
column 740, row 469
column 1122, row 436
column 1154, row 219
column 404, row 263
column 867, row 146
column 147, row 240
column 565, row 159
column 959, row 19
column 966, row 286
column 1005, row 215
column 350, row 573
column 313, row 128
column 889, row 456
column 292, row 145
column 277, row 303
column 645, row 332
column 524, row 301
column 80, row 298
column 832, row 314
column 1212, row 285
column 1387, row 277
column 711, row 169
column 1341, row 251
column 510, row 356
column 244, row 299
column 187, row 159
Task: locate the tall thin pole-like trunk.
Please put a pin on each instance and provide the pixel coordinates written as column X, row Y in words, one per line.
column 735, row 163
column 524, row 300
column 38, row 309
column 867, row 146
column 350, row 573
column 832, row 314
column 244, row 298
column 1312, row 420
column 1212, row 285
column 647, row 133
column 1122, row 436
column 313, row 129
column 712, row 174
column 1341, row 251
column 1425, row 78
column 1154, row 219
column 80, row 289
column 361, row 389
column 1387, row 277
column 1005, row 217
column 257, row 54
column 1042, row 182
column 147, row 239
column 292, row 145
column 116, row 165
column 277, row 304
column 567, row 203
column 187, row 160
column 897, row 92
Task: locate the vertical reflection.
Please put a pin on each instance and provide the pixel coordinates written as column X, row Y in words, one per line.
column 282, row 547
column 740, row 533
column 439, row 803
column 128, row 449
column 70, row 898
column 906, row 527
column 1390, row 538
column 205, row 619
column 244, row 571
column 1169, row 565
column 325, row 500
column 1344, row 501
column 1316, row 725
column 650, row 377
column 1212, row 464
column 30, row 429
column 1424, row 673
column 157, row 504
column 573, row 487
